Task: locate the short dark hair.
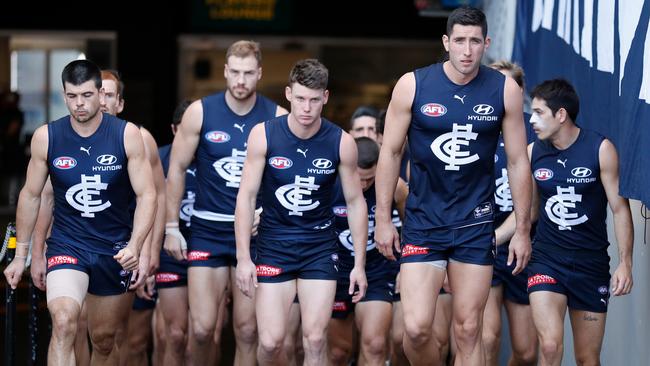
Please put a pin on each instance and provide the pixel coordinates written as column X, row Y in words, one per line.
column 558, row 93
column 180, row 110
column 364, row 111
column 368, row 151
column 467, row 15
column 80, row 71
column 309, row 73
column 381, row 120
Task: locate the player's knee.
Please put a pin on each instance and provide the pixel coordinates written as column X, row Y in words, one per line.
column 590, row 358
column 202, row 333
column 417, row 332
column 138, row 342
column 525, row 356
column 374, row 345
column 176, row 338
column 64, row 324
column 314, row 341
column 467, row 331
column 340, row 354
column 103, row 340
column 551, row 348
column 491, row 340
column 246, row 332
column 270, row 346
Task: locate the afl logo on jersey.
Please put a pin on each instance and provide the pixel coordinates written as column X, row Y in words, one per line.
column 64, row 162
column 340, row 211
column 217, row 137
column 322, row 163
column 280, row 162
column 433, row 110
column 543, row 174
column 106, row 159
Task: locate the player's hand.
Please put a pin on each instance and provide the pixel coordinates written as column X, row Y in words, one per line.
column 386, row 237
column 154, row 264
column 358, row 280
column 175, row 244
column 148, row 290
column 127, row 258
column 622, row 280
column 38, row 271
column 246, row 274
column 140, row 275
column 14, row 272
column 519, row 251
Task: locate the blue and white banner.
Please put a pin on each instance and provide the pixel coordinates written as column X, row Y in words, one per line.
column 603, row 48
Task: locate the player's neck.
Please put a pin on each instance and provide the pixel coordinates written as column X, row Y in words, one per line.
column 85, row 129
column 240, row 107
column 566, row 137
column 457, row 77
column 302, row 130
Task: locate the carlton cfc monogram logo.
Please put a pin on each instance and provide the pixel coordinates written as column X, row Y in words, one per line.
column 557, row 208
column 230, row 167
column 447, row 147
column 291, row 195
column 80, row 196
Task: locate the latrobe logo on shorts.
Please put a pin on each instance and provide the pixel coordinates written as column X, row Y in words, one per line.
column 165, row 277
column 197, row 255
column 340, row 306
column 539, row 279
column 264, row 270
column 410, row 249
column 60, row 259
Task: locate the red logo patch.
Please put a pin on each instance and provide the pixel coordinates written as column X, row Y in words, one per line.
column 217, row 137
column 280, row 162
column 340, row 306
column 341, row 211
column 60, row 259
column 64, row 162
column 264, row 270
column 543, row 174
column 196, row 255
column 165, row 277
column 539, row 279
column 433, row 110
column 410, row 249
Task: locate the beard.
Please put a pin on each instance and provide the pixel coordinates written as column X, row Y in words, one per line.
column 86, row 117
column 242, row 93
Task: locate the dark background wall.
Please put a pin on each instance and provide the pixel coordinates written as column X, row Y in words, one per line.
column 147, row 50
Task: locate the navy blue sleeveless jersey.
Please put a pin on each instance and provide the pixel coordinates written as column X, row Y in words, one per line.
column 187, row 203
column 298, row 182
column 452, row 139
column 573, row 203
column 92, row 191
column 221, row 153
column 502, row 194
column 375, row 261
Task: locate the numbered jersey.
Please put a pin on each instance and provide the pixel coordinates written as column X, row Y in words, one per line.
column 502, row 194
column 187, row 203
column 452, row 139
column 221, row 153
column 573, row 203
column 298, row 182
column 92, row 191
